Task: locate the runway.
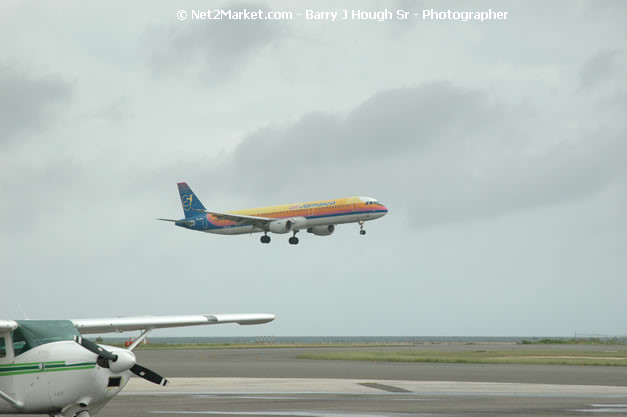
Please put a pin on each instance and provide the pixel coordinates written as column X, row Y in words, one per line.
column 272, row 382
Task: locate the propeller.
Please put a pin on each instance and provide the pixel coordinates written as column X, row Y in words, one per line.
column 125, row 360
column 149, row 375
column 95, row 348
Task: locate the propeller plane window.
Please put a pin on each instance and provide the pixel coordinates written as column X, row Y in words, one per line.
column 33, row 333
column 19, row 343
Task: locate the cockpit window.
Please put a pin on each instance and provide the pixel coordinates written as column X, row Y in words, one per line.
column 32, row 333
column 19, row 343
column 3, row 348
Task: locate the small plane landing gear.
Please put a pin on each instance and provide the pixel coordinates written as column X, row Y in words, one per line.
column 361, row 227
column 265, row 239
column 293, row 240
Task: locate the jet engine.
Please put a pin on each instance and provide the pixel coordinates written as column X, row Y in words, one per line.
column 281, row 226
column 287, row 225
column 298, row 223
column 322, row 230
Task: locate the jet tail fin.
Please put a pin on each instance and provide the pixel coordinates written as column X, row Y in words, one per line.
column 191, row 203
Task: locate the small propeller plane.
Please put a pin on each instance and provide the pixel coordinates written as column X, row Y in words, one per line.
column 316, row 217
column 48, row 367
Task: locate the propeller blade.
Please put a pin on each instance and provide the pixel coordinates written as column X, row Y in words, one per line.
column 95, row 348
column 149, row 375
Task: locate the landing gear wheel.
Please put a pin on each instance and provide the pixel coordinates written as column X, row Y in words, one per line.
column 293, row 240
column 265, row 239
column 362, row 232
column 361, row 227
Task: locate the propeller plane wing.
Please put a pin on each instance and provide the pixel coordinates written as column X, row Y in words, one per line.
column 41, row 356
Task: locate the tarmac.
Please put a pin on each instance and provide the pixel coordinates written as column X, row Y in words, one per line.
column 274, row 382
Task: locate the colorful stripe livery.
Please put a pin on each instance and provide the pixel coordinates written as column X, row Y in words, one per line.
column 309, row 210
column 317, row 217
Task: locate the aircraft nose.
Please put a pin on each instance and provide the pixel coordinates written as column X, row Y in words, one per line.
column 385, row 210
column 125, row 361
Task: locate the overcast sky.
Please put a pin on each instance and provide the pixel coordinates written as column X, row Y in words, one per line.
column 499, row 147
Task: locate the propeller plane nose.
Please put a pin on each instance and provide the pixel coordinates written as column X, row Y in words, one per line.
column 125, row 361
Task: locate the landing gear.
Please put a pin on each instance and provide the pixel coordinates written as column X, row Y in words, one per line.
column 293, row 240
column 361, row 227
column 265, row 239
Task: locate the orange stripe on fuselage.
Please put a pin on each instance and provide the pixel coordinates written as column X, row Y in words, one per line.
column 306, row 209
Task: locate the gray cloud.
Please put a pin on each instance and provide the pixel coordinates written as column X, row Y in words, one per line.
column 29, row 102
column 444, row 153
column 600, row 68
column 388, row 125
column 214, row 47
column 116, row 112
column 51, row 182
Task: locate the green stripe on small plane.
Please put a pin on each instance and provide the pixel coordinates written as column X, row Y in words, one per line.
column 78, row 368
column 62, row 365
column 32, row 368
column 19, row 373
column 21, row 368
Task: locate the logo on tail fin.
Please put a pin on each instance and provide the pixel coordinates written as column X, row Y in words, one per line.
column 187, row 201
column 191, row 204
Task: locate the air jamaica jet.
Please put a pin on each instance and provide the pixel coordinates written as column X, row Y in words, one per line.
column 317, row 217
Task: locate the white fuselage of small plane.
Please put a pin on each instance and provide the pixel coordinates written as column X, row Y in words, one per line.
column 48, row 378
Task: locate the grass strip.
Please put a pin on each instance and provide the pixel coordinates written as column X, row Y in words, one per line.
column 525, row 357
column 573, row 341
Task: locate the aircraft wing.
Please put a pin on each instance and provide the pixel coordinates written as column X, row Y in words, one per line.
column 7, row 325
column 124, row 324
column 240, row 219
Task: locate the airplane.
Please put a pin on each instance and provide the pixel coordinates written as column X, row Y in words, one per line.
column 48, row 367
column 317, row 217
